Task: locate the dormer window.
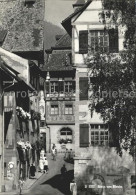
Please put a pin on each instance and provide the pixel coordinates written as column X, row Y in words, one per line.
column 29, row 3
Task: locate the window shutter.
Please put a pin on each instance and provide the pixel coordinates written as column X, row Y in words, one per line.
column 83, row 87
column 47, row 88
column 84, row 135
column 112, row 142
column 83, row 42
column 113, row 40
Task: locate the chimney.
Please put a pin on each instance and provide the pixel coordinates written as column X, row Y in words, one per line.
column 78, row 4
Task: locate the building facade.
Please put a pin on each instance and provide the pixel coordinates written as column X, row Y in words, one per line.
column 96, row 161
column 21, row 27
column 60, row 96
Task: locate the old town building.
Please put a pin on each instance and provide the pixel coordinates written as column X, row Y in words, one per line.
column 95, row 157
column 60, row 96
column 21, row 29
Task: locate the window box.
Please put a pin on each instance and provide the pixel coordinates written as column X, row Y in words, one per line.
column 65, row 141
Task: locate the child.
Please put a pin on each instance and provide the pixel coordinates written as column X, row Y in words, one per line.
column 45, row 165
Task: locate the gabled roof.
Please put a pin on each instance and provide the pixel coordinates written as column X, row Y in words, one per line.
column 59, row 61
column 67, row 22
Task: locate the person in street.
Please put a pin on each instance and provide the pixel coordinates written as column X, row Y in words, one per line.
column 63, row 170
column 21, row 183
column 54, row 153
column 66, row 154
column 32, row 171
column 46, row 165
column 41, row 164
column 73, row 187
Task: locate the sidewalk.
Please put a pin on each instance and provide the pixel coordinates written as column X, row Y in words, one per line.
column 27, row 185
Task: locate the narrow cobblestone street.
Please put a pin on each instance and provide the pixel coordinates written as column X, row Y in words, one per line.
column 51, row 183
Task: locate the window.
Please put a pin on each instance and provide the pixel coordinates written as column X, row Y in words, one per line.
column 29, row 3
column 68, row 85
column 69, row 109
column 102, row 40
column 66, row 132
column 66, row 135
column 54, row 110
column 99, row 135
column 54, row 87
column 98, row 40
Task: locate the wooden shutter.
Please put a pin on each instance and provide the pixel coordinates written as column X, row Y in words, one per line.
column 83, row 41
column 47, row 87
column 83, row 88
column 113, row 40
column 112, row 142
column 84, row 135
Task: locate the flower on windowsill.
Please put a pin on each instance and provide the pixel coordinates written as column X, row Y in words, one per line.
column 22, row 114
column 65, row 141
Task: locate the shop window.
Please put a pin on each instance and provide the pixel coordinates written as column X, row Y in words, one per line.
column 54, row 110
column 68, row 109
column 99, row 135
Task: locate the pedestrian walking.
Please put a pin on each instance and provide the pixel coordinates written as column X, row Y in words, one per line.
column 53, row 153
column 41, row 164
column 63, row 171
column 73, row 187
column 32, row 171
column 46, row 168
column 21, row 183
column 66, row 154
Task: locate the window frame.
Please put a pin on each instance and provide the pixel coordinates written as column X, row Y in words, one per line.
column 69, row 90
column 55, row 85
column 68, row 109
column 99, row 130
column 99, row 36
column 66, row 136
column 53, row 107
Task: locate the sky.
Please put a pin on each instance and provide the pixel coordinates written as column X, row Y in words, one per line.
column 58, row 10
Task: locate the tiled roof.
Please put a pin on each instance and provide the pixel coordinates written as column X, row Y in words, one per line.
column 59, row 61
column 24, row 25
column 64, row 41
column 50, row 32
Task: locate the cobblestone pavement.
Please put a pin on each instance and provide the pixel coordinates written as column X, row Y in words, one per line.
column 51, row 183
